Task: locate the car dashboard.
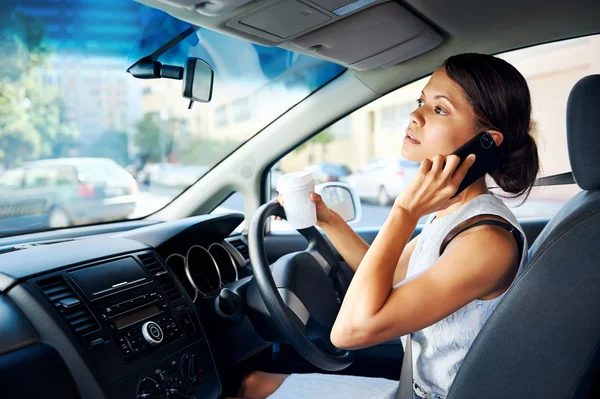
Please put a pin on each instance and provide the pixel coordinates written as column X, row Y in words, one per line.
column 122, row 315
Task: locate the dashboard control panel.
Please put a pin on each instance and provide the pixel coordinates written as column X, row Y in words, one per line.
column 130, row 314
column 185, row 374
column 141, row 324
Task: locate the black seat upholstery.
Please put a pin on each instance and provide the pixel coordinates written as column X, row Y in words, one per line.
column 542, row 340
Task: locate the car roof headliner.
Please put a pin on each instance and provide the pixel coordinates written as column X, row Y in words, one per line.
column 466, row 26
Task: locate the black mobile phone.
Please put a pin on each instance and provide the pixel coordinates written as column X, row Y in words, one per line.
column 487, row 158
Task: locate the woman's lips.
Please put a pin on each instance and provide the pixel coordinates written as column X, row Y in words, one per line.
column 410, row 137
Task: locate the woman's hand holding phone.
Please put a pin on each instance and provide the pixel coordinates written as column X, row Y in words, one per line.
column 433, row 186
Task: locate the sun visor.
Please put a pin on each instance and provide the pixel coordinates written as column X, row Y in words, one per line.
column 286, row 19
column 383, row 35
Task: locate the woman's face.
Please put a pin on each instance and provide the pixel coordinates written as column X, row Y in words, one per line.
column 442, row 122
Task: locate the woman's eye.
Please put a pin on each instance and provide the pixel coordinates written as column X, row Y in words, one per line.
column 419, row 102
column 439, row 111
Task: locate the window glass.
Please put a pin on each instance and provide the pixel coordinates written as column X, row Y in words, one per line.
column 233, row 203
column 38, row 177
column 374, row 134
column 65, row 93
column 66, row 176
column 11, row 179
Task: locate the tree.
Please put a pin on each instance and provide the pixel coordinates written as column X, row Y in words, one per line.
column 47, row 115
column 205, row 152
column 18, row 138
column 162, row 140
column 148, row 137
column 113, row 145
column 32, row 122
column 323, row 139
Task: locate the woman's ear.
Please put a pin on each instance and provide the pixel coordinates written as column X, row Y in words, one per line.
column 497, row 136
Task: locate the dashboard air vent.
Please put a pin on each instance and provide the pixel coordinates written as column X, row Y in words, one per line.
column 240, row 245
column 69, row 305
column 161, row 275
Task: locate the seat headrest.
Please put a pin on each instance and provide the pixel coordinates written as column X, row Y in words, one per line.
column 583, row 132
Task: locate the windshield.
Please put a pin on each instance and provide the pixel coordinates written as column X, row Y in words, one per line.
column 67, row 100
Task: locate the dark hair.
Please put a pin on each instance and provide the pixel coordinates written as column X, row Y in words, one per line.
column 499, row 95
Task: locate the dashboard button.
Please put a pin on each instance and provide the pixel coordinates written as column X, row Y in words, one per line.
column 188, row 325
column 152, row 333
column 96, row 342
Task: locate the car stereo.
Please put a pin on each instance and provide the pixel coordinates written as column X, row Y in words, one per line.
column 140, row 332
column 140, row 324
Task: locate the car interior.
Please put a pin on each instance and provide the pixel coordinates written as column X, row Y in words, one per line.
column 112, row 310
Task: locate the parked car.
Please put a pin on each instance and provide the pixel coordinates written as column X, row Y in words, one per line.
column 65, row 192
column 383, row 179
column 328, row 172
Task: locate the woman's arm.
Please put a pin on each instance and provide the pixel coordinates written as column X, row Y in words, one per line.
column 467, row 270
column 372, row 283
column 345, row 240
column 361, row 321
column 353, row 248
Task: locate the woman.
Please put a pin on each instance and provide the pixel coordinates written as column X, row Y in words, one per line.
column 441, row 286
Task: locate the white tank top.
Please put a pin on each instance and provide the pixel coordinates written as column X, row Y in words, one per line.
column 439, row 350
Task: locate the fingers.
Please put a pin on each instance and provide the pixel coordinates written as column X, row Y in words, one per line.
column 452, row 162
column 316, row 198
column 425, row 166
column 279, row 200
column 437, row 163
column 461, row 172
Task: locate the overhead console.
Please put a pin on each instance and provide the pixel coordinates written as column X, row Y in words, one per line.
column 359, row 34
column 380, row 36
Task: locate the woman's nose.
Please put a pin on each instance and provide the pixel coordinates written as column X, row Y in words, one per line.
column 416, row 118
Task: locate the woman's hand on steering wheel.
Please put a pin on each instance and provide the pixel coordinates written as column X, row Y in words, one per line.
column 324, row 214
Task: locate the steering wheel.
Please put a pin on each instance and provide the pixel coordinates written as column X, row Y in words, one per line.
column 302, row 291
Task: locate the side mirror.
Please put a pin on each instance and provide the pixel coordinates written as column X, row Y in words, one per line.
column 341, row 198
column 198, row 78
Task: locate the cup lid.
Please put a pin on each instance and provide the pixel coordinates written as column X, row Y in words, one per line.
column 294, row 180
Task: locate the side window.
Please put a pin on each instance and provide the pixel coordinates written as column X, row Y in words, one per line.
column 370, row 139
column 66, row 176
column 11, row 179
column 362, row 150
column 38, row 177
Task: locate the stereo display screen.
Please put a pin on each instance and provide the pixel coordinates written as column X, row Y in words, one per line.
column 132, row 318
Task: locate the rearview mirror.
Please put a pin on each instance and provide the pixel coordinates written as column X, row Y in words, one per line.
column 341, row 198
column 198, row 79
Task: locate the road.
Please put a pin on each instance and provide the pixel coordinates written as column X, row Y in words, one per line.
column 154, row 198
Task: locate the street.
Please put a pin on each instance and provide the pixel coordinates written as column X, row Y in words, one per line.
column 153, row 198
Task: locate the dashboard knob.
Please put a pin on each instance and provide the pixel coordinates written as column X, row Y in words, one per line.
column 191, row 370
column 148, row 388
column 152, row 333
column 228, row 302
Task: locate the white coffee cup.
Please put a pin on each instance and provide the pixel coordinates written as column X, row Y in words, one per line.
column 295, row 189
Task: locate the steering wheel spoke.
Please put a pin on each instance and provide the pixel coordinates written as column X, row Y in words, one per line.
column 295, row 305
